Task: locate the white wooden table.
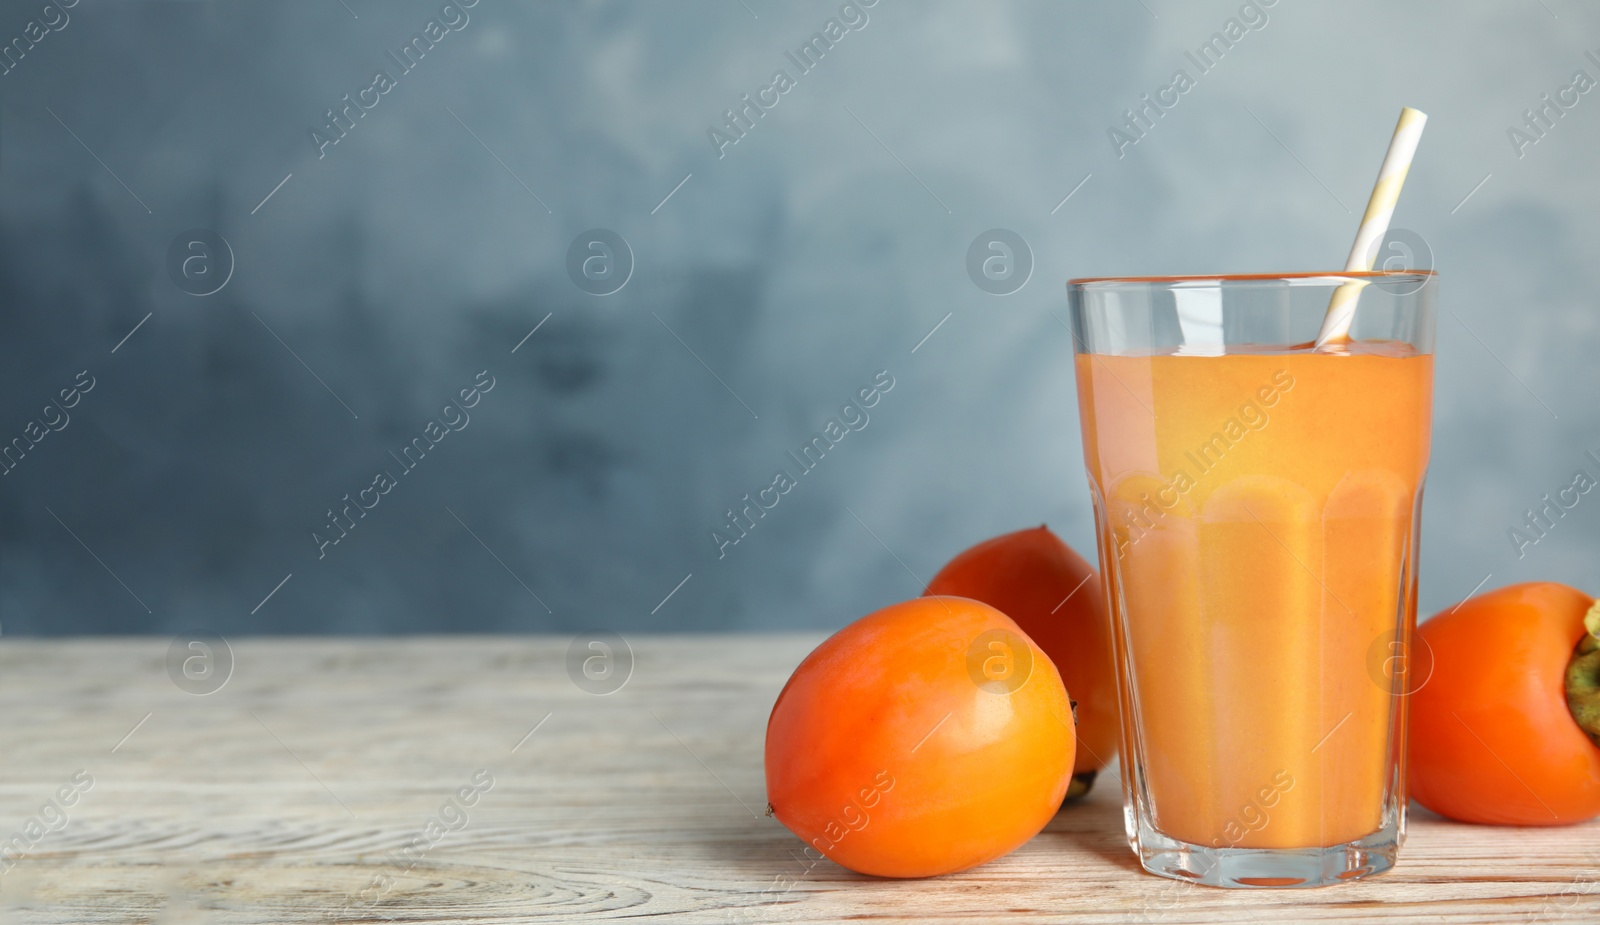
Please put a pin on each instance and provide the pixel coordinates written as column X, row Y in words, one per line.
column 295, row 793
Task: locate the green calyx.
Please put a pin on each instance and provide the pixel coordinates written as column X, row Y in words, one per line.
column 1583, row 677
column 1082, row 782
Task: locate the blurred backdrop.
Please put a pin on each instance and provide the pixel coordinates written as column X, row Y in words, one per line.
column 602, row 270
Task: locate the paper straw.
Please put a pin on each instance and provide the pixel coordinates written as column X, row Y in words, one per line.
column 1374, row 225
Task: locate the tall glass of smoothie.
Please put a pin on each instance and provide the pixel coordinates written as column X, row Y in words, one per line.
column 1257, row 502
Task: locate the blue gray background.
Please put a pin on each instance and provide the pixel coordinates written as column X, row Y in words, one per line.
column 379, row 279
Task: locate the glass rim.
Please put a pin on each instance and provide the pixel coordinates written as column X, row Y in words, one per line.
column 1330, row 275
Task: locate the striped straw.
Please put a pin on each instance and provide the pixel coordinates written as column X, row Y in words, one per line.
column 1374, row 225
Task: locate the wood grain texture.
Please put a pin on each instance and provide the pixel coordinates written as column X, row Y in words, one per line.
column 281, row 797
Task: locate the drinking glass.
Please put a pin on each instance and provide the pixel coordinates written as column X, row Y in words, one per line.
column 1257, row 506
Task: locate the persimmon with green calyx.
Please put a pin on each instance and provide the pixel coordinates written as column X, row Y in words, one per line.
column 1054, row 595
column 925, row 738
column 1506, row 729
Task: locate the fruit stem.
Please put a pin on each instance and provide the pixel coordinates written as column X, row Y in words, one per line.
column 1583, row 677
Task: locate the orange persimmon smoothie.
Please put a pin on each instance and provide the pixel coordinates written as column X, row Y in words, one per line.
column 1256, row 514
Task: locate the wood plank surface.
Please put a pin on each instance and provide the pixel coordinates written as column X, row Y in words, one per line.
column 303, row 792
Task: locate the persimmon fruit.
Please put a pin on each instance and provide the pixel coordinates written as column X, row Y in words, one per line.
column 925, row 738
column 1054, row 595
column 1495, row 734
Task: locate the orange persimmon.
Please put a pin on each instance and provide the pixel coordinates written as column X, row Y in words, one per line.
column 1054, row 595
column 1493, row 738
column 926, row 738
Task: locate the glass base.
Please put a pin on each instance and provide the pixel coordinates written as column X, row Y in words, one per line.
column 1267, row 868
